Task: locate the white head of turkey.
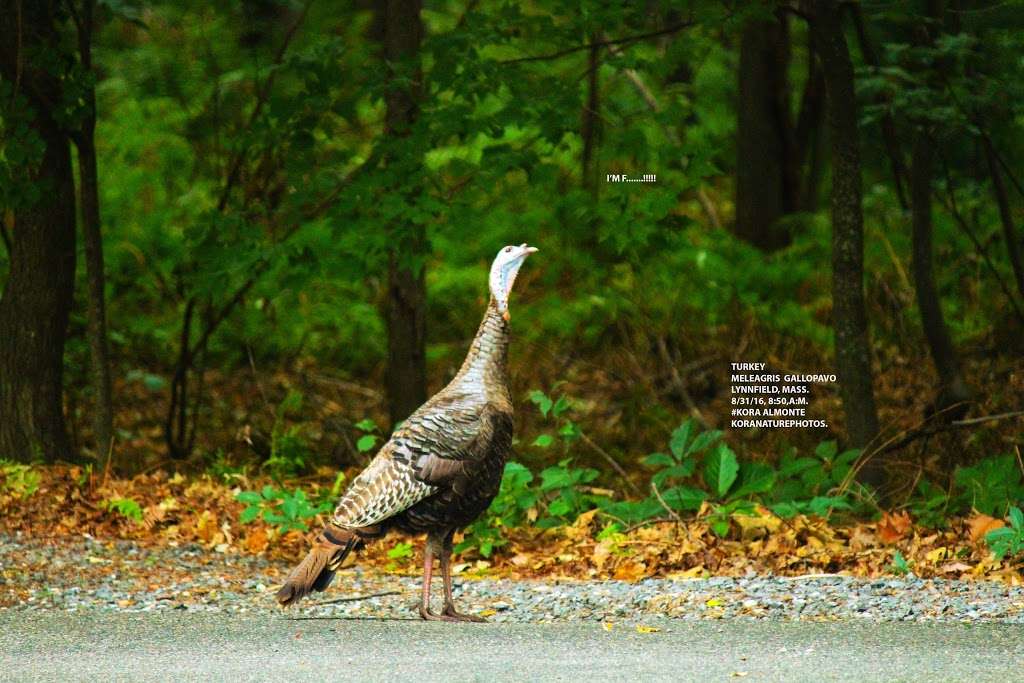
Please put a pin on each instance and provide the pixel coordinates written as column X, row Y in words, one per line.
column 439, row 470
column 503, row 274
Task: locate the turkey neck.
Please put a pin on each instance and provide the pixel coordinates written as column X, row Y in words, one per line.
column 485, row 368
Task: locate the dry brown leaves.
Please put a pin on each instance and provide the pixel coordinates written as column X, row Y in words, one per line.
column 200, row 510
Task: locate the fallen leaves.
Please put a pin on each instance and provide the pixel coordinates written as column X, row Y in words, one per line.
column 894, row 526
column 979, row 525
column 630, row 570
column 257, row 541
column 180, row 510
column 758, row 525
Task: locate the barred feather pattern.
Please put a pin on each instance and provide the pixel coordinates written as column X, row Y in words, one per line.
column 317, row 569
column 444, row 442
column 381, row 491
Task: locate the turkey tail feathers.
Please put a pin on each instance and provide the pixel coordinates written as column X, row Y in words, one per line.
column 315, row 572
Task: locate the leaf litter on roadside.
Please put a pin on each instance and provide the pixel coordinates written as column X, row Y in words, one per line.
column 174, row 509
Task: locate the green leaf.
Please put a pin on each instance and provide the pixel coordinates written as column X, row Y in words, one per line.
column 659, row 460
column 560, row 406
column 785, row 510
column 541, row 400
column 544, row 440
column 755, row 477
column 366, row 443
column 720, row 527
column 400, row 550
column 680, row 436
column 556, row 477
column 249, row 497
column 249, row 514
column 826, row 450
column 823, row 505
column 680, row 471
column 366, row 425
column 683, row 498
column 899, row 564
column 559, row 507
column 720, row 470
column 703, row 440
column 569, row 431
column 1016, row 518
column 1000, row 535
column 634, row 511
column 791, row 467
column 339, row 480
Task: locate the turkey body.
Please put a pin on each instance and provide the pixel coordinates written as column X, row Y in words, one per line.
column 438, row 472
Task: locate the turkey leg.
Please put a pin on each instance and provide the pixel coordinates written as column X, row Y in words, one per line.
column 428, row 570
column 446, row 573
column 436, row 545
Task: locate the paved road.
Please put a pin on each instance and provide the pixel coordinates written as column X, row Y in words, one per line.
column 96, row 646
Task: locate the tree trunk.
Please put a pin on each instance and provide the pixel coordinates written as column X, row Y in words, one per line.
column 953, row 390
column 406, row 374
column 766, row 186
column 88, row 192
column 849, row 319
column 36, row 301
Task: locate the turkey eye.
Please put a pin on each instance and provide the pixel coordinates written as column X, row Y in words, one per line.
column 508, row 249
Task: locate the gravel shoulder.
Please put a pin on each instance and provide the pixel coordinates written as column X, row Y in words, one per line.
column 178, row 646
column 81, row 574
column 79, row 609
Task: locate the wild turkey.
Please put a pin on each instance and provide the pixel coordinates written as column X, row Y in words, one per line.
column 440, row 470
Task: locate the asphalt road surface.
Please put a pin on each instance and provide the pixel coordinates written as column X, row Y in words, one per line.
column 101, row 646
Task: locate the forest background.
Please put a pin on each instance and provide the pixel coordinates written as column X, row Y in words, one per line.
column 245, row 239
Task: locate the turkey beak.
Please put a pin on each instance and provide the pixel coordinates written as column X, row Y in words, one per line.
column 506, row 316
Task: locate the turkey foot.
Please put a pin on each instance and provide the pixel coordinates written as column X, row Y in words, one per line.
column 448, row 615
column 455, row 615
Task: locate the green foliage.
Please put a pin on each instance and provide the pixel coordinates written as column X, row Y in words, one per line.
column 720, row 470
column 816, row 484
column 286, row 510
column 562, row 490
column 368, row 440
column 220, row 467
column 899, row 565
column 930, row 505
column 125, row 507
column 992, row 484
column 1008, row 540
column 400, row 550
column 289, row 452
column 18, row 479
